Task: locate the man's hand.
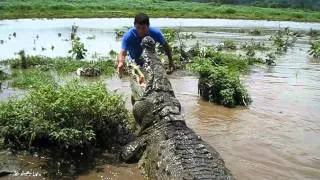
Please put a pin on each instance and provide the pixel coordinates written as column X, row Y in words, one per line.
column 121, row 59
column 172, row 68
column 120, row 69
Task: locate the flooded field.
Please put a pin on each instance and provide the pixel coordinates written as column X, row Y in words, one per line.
column 276, row 137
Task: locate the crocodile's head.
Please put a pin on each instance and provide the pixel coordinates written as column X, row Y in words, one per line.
column 148, row 43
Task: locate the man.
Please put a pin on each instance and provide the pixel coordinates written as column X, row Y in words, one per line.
column 131, row 42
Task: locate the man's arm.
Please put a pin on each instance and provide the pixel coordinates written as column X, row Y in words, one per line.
column 168, row 52
column 121, row 62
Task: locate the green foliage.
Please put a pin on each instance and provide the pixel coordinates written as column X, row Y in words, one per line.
column 25, row 79
column 66, row 116
column 283, row 39
column 119, row 33
column 62, row 65
column 23, row 58
column 260, row 46
column 315, row 49
column 78, row 51
column 159, row 8
column 314, row 33
column 256, row 32
column 228, row 45
column 220, row 85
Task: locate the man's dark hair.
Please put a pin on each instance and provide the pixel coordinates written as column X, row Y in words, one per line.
column 141, row 19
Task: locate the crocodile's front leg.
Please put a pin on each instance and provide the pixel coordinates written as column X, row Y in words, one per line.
column 133, row 151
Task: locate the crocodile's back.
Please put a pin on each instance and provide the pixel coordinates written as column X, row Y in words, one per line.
column 176, row 152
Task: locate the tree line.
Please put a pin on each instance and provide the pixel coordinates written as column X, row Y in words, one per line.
column 301, row 4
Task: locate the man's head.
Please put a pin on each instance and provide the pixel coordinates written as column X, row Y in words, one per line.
column 141, row 23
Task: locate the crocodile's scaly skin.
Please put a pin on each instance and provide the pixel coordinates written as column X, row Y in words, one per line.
column 166, row 147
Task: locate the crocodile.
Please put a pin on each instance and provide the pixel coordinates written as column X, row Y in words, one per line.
column 166, row 148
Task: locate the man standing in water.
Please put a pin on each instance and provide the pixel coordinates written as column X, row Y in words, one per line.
column 131, row 42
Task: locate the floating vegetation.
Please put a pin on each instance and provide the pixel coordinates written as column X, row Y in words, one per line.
column 270, row 60
column 91, row 37
column 256, row 32
column 260, row 46
column 119, row 33
column 78, row 51
column 315, row 49
column 227, row 45
column 67, row 117
column 314, row 33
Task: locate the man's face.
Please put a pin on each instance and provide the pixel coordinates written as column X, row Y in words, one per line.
column 142, row 29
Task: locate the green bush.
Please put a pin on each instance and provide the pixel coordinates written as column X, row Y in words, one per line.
column 220, row 85
column 25, row 79
column 315, row 49
column 65, row 116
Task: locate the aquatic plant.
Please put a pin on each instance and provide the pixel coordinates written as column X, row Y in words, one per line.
column 61, row 65
column 260, row 46
column 314, row 33
column 315, row 49
column 26, row 79
column 119, row 33
column 3, row 76
column 23, row 59
column 256, row 32
column 71, row 116
column 78, row 51
column 228, row 44
column 219, row 84
column 91, row 37
column 283, row 39
column 270, row 60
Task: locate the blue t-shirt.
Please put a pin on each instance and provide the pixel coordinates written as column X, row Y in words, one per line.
column 131, row 42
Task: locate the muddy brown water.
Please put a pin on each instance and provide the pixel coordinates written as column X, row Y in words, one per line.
column 276, row 137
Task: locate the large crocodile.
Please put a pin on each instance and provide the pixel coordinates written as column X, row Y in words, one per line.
column 166, row 147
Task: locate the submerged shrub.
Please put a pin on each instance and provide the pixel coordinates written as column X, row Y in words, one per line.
column 220, row 85
column 64, row 116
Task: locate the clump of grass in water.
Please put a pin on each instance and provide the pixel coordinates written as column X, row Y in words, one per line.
column 315, row 49
column 283, row 39
column 219, row 84
column 65, row 117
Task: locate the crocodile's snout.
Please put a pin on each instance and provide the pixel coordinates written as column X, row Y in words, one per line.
column 148, row 42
